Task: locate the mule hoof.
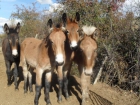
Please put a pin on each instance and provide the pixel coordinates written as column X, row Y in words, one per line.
column 8, row 84
column 48, row 104
column 16, row 89
column 25, row 92
column 32, row 93
column 67, row 98
column 59, row 101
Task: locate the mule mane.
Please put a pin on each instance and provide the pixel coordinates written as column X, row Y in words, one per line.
column 72, row 20
column 88, row 30
column 56, row 27
column 12, row 29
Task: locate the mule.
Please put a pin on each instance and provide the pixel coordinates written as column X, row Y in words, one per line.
column 43, row 55
column 72, row 39
column 84, row 57
column 11, row 52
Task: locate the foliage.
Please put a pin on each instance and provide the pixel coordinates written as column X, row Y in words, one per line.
column 117, row 40
column 33, row 21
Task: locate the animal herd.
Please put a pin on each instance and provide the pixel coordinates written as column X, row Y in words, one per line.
column 63, row 45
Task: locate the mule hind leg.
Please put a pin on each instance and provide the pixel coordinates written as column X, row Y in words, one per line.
column 30, row 80
column 25, row 75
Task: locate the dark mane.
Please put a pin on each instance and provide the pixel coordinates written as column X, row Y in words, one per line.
column 12, row 30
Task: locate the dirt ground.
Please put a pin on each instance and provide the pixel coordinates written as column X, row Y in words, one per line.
column 100, row 93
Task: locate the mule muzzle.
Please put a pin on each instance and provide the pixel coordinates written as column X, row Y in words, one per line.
column 74, row 48
column 59, row 63
column 15, row 56
column 88, row 72
column 14, row 53
column 73, row 45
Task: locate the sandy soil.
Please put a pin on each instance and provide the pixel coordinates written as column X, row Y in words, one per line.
column 100, row 94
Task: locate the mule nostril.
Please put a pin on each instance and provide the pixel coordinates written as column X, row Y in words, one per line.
column 59, row 63
column 15, row 56
column 74, row 48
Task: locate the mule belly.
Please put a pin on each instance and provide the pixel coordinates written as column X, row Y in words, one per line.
column 31, row 62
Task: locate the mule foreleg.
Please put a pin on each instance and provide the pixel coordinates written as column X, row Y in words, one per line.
column 60, row 82
column 66, row 73
column 85, row 82
column 8, row 72
column 16, row 75
column 38, row 86
column 47, row 87
column 66, row 85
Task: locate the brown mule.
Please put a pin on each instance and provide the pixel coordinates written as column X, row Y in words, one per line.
column 11, row 51
column 44, row 56
column 71, row 44
column 84, row 57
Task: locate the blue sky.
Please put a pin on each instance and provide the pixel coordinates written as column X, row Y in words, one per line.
column 8, row 6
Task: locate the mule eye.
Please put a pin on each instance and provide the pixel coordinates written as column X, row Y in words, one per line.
column 67, row 32
column 51, row 41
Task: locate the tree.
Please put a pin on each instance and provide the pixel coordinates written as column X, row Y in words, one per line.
column 33, row 21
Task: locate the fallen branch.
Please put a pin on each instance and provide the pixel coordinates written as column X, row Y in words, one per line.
column 36, row 36
column 100, row 71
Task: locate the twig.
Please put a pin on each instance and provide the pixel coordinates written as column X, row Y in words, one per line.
column 36, row 35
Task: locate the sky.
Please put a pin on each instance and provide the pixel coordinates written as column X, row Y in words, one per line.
column 9, row 6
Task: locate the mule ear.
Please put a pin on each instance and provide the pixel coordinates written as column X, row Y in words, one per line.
column 6, row 28
column 96, row 34
column 49, row 23
column 77, row 17
column 18, row 27
column 64, row 19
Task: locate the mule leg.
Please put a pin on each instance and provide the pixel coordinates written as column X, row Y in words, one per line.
column 47, row 87
column 38, row 86
column 85, row 82
column 66, row 74
column 16, row 75
column 60, row 82
column 8, row 72
column 25, row 74
column 30, row 81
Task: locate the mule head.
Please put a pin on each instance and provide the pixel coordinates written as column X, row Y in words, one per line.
column 72, row 28
column 13, row 38
column 57, row 40
column 88, row 48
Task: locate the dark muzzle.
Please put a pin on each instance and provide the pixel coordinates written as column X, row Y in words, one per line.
column 59, row 63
